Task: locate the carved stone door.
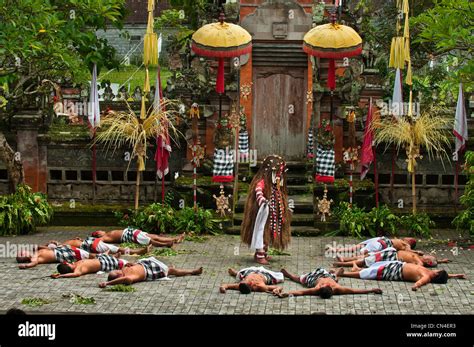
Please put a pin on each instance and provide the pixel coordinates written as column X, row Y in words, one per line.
column 279, row 109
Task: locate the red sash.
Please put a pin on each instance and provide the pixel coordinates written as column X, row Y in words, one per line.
column 95, row 244
column 383, row 243
column 380, row 272
column 120, row 262
column 135, row 234
column 77, row 252
column 378, row 257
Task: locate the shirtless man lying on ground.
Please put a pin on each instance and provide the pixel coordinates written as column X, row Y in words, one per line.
column 377, row 244
column 390, row 254
column 323, row 283
column 399, row 271
column 139, row 237
column 97, row 245
column 254, row 279
column 103, row 262
column 147, row 269
column 68, row 254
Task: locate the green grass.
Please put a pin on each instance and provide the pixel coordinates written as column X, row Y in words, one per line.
column 277, row 252
column 121, row 76
column 34, row 302
column 79, row 299
column 121, row 288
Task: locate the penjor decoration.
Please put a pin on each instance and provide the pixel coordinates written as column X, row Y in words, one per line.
column 267, row 217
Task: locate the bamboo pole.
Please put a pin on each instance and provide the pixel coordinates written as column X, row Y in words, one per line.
column 137, row 188
column 413, row 190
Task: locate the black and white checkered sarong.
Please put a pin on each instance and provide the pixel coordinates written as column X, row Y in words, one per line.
column 223, row 162
column 152, row 268
column 127, row 236
column 392, row 272
column 87, row 244
column 310, row 279
column 65, row 254
column 244, row 142
column 325, row 162
column 108, row 263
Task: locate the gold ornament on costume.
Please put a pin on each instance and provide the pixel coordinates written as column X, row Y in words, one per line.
column 194, row 111
column 246, row 90
column 222, row 203
column 324, row 205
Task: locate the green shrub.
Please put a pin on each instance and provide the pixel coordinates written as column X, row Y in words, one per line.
column 162, row 218
column 352, row 221
column 381, row 220
column 417, row 224
column 465, row 219
column 23, row 211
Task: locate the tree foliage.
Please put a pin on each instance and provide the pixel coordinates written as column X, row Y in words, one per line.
column 53, row 40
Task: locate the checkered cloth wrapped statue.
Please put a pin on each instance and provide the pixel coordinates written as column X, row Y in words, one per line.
column 223, row 166
column 325, row 167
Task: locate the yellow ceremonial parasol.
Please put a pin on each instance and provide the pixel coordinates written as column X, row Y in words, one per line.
column 221, row 40
column 332, row 41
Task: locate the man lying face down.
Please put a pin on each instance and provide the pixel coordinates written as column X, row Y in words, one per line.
column 137, row 236
column 323, row 283
column 390, row 254
column 62, row 254
column 254, row 279
column 147, row 269
column 399, row 271
column 103, row 262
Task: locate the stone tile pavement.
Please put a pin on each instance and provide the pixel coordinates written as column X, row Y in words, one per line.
column 200, row 295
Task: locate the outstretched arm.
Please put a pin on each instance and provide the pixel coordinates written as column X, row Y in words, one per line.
column 421, row 282
column 33, row 263
column 348, row 291
column 224, row 287
column 459, row 276
column 68, row 275
column 269, row 289
column 444, row 261
column 302, row 292
column 127, row 280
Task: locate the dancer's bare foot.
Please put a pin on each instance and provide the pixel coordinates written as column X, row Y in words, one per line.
column 339, row 258
column 180, row 238
column 149, row 248
column 355, row 268
column 339, row 271
column 232, row 272
column 197, row 271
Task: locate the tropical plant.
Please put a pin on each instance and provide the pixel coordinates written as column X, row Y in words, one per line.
column 22, row 211
column 428, row 131
column 382, row 220
column 352, row 220
column 162, row 218
column 197, row 221
column 129, row 129
column 417, row 224
column 465, row 219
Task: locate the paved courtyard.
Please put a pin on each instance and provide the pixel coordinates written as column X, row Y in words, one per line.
column 200, row 295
